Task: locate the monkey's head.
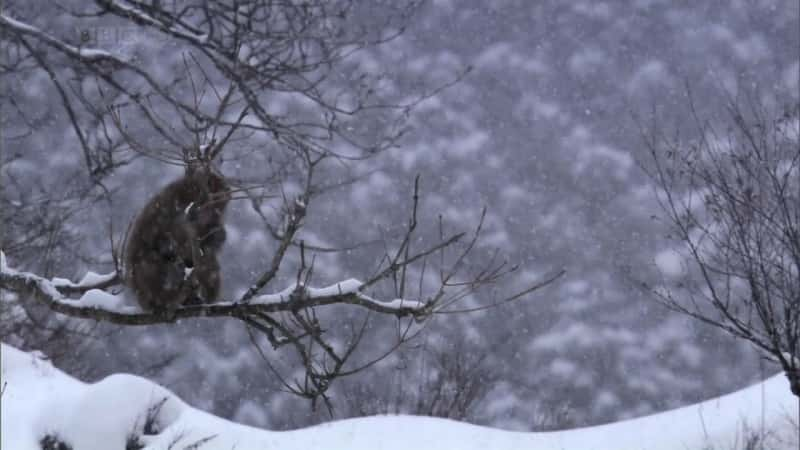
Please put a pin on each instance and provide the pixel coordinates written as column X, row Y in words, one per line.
column 208, row 182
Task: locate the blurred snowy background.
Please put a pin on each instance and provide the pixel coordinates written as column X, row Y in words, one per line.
column 541, row 132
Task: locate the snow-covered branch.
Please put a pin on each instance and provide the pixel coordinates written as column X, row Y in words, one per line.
column 88, row 55
column 176, row 28
column 96, row 304
column 289, row 318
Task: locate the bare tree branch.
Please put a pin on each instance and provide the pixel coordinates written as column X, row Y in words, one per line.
column 732, row 200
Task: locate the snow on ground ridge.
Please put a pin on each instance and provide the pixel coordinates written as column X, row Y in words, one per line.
column 40, row 401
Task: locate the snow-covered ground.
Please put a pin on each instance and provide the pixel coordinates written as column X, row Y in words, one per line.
column 39, row 402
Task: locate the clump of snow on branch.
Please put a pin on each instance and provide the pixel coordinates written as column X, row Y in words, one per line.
column 90, row 279
column 347, row 287
column 98, row 298
column 278, row 297
column 350, row 286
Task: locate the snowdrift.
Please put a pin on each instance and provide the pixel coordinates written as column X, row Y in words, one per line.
column 41, row 403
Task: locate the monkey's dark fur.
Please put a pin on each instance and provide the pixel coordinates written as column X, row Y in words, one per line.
column 171, row 254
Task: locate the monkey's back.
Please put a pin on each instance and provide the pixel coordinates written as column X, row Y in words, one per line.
column 163, row 262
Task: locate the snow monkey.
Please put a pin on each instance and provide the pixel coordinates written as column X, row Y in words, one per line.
column 171, row 253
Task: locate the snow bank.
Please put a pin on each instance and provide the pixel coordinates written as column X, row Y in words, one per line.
column 40, row 401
